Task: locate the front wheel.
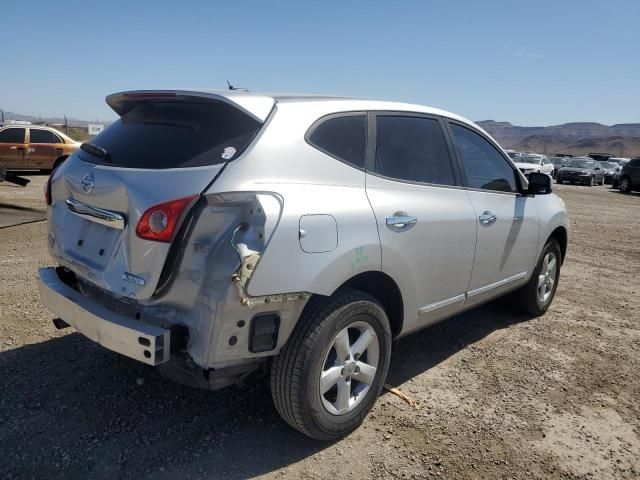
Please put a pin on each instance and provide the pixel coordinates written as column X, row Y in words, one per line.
column 535, row 297
column 625, row 185
column 331, row 371
column 591, row 182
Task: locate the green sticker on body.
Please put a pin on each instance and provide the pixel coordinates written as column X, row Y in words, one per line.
column 359, row 258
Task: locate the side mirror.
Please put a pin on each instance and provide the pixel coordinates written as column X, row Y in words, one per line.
column 597, row 168
column 539, row 184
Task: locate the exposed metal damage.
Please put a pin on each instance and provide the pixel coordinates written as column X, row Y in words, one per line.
column 248, row 261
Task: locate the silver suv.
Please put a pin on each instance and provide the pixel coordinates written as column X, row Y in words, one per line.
column 218, row 234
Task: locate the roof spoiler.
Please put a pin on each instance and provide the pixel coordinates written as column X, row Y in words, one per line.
column 256, row 106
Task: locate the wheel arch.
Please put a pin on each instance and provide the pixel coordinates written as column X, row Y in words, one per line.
column 59, row 161
column 561, row 236
column 385, row 290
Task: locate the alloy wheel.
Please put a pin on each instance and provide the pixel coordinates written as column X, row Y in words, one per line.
column 547, row 277
column 349, row 368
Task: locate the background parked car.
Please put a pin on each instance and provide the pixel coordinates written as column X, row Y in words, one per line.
column 513, row 154
column 630, row 176
column 615, row 182
column 609, row 168
column 583, row 170
column 558, row 162
column 619, row 160
column 533, row 163
column 28, row 147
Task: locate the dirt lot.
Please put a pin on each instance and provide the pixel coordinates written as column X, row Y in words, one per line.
column 499, row 396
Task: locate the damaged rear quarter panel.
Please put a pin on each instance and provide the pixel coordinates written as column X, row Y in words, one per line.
column 278, row 165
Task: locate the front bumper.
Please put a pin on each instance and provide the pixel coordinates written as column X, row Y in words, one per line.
column 149, row 344
column 573, row 178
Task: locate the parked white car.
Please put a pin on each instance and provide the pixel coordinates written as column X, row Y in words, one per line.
column 531, row 163
column 216, row 234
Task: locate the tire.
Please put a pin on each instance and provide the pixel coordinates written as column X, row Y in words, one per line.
column 527, row 297
column 296, row 371
column 625, row 185
column 559, row 181
column 591, row 182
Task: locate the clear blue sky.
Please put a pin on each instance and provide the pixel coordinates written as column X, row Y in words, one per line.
column 532, row 63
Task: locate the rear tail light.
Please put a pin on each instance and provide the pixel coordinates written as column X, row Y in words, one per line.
column 159, row 223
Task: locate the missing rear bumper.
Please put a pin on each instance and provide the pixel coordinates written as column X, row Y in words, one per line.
column 146, row 343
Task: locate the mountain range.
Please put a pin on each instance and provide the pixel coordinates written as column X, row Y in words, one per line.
column 48, row 120
column 621, row 140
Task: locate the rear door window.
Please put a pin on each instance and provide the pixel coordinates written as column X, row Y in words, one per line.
column 343, row 137
column 12, row 135
column 413, row 149
column 42, row 136
column 168, row 134
column 484, row 166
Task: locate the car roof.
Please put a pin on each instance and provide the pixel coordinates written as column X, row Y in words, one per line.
column 356, row 103
column 259, row 105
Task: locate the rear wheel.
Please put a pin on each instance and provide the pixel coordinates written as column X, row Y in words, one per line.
column 331, row 371
column 536, row 296
column 625, row 185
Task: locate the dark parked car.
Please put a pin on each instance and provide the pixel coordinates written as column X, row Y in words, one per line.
column 583, row 170
column 558, row 163
column 609, row 169
column 630, row 176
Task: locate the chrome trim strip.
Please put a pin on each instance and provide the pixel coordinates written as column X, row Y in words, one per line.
column 500, row 283
column 97, row 215
column 442, row 303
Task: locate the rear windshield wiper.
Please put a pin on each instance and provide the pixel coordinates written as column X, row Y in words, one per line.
column 95, row 150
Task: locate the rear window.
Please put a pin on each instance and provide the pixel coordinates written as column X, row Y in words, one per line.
column 163, row 135
column 343, row 137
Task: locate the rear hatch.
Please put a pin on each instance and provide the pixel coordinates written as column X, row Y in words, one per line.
column 166, row 146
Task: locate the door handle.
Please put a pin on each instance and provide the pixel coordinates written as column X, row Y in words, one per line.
column 13, row 147
column 400, row 220
column 487, row 218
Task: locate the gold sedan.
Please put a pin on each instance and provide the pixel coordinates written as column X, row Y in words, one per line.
column 30, row 147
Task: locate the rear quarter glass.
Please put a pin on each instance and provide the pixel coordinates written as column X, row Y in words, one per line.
column 161, row 135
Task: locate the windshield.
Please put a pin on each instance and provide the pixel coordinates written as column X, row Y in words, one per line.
column 576, row 163
column 534, row 160
column 608, row 165
column 513, row 155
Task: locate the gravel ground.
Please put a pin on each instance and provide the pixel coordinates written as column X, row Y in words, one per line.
column 497, row 395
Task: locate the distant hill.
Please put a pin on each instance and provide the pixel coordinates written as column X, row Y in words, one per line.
column 576, row 138
column 48, row 120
